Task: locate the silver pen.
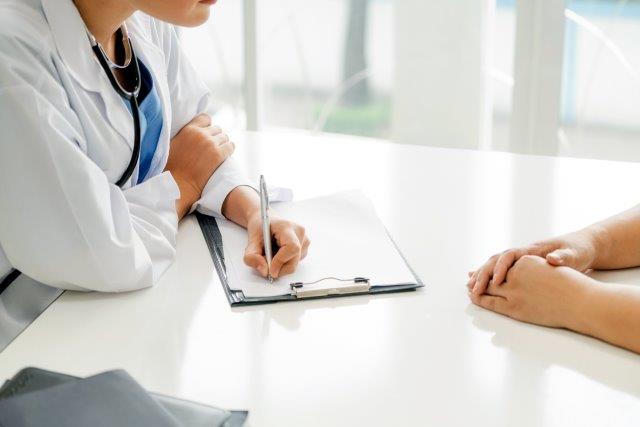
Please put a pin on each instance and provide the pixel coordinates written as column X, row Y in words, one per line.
column 266, row 225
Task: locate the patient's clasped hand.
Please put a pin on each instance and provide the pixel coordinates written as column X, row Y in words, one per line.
column 545, row 283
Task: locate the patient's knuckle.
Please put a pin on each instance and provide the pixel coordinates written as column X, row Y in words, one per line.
column 190, row 131
column 511, row 253
column 520, row 264
column 513, row 273
column 213, row 149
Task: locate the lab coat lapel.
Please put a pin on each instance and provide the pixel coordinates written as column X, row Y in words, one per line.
column 69, row 32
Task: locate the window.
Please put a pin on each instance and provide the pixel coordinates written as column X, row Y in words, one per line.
column 546, row 77
column 600, row 115
column 326, row 66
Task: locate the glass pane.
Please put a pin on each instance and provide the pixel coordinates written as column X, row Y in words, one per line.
column 327, row 66
column 501, row 70
column 601, row 84
column 215, row 50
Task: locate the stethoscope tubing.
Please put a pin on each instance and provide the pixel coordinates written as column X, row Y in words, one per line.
column 132, row 97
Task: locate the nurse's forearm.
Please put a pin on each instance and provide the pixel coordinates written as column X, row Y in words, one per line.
column 241, row 203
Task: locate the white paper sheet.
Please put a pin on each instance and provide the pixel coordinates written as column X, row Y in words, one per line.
column 348, row 240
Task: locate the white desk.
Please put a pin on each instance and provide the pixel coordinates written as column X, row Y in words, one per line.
column 421, row 358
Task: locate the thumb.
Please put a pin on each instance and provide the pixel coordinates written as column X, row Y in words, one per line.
column 566, row 257
column 253, row 256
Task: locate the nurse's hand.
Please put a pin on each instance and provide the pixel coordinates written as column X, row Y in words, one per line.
column 291, row 245
column 194, row 155
column 577, row 250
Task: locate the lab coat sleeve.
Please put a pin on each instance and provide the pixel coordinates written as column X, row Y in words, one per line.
column 190, row 97
column 62, row 223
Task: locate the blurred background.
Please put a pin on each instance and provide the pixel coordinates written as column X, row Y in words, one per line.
column 554, row 77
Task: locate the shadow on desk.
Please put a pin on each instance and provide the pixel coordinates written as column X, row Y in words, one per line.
column 288, row 314
column 541, row 348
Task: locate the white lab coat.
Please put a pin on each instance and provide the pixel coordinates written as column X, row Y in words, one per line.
column 66, row 137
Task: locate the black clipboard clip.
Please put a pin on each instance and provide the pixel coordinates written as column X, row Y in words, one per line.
column 330, row 286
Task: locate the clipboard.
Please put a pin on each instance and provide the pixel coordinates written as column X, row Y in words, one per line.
column 323, row 288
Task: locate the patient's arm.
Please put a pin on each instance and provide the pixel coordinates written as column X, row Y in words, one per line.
column 619, row 241
column 537, row 292
column 612, row 313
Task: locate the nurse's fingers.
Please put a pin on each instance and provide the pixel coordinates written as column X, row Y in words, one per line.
column 289, row 267
column 214, row 130
column 202, row 120
column 253, row 257
column 227, row 149
column 305, row 247
column 286, row 259
column 220, row 138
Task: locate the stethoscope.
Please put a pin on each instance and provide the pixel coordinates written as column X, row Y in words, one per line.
column 131, row 96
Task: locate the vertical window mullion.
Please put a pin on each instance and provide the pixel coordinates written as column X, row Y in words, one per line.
column 537, row 76
column 251, row 82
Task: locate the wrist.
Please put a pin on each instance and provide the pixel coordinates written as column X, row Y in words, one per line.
column 579, row 314
column 189, row 194
column 600, row 242
column 241, row 205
